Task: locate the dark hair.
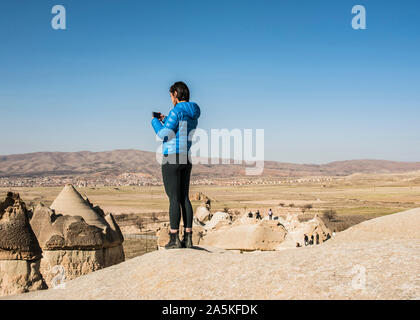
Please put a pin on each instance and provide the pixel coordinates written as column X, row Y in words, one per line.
column 182, row 91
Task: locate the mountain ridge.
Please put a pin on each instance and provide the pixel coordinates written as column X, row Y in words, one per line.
column 119, row 161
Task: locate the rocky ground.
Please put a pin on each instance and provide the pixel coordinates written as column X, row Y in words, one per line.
column 377, row 259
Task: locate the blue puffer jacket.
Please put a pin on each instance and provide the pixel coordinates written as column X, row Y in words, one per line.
column 176, row 127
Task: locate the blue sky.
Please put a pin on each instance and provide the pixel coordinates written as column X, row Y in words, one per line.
column 321, row 90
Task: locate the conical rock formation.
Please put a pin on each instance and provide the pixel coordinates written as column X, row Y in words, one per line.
column 76, row 235
column 70, row 202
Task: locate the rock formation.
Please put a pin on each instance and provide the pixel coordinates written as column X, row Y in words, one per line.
column 70, row 202
column 218, row 220
column 377, row 259
column 247, row 235
column 202, row 214
column 76, row 235
column 163, row 234
column 205, row 200
column 306, row 233
column 220, row 230
column 20, row 253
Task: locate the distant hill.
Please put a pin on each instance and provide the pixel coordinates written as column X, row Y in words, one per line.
column 120, row 161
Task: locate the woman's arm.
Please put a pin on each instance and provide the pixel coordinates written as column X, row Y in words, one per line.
column 168, row 129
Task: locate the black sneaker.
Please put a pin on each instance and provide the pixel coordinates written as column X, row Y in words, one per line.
column 174, row 242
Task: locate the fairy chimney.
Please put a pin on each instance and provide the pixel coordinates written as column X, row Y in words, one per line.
column 76, row 236
column 20, row 253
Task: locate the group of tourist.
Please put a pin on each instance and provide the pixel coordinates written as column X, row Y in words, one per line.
column 258, row 215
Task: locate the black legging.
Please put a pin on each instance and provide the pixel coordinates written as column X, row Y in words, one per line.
column 176, row 179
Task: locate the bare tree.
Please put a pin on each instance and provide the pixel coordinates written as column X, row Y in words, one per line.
column 140, row 223
column 329, row 215
column 308, row 206
column 154, row 217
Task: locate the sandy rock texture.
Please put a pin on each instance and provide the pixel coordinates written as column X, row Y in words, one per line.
column 163, row 234
column 78, row 262
column 221, row 230
column 218, row 220
column 301, row 234
column 20, row 252
column 247, row 235
column 76, row 237
column 378, row 259
column 202, row 214
column 18, row 276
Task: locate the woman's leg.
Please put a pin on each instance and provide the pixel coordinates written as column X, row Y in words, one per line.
column 171, row 181
column 187, row 211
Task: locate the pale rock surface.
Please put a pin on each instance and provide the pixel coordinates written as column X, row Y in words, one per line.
column 78, row 262
column 163, row 234
column 20, row 252
column 378, row 259
column 18, row 276
column 205, row 200
column 300, row 234
column 218, row 220
column 248, row 235
column 202, row 214
column 70, row 202
column 70, row 241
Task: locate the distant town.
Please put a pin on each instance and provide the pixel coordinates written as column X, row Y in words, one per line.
column 137, row 179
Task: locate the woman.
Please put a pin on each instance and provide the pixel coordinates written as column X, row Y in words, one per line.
column 176, row 167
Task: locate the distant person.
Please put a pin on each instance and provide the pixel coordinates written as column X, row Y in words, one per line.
column 250, row 214
column 270, row 214
column 258, row 215
column 176, row 167
column 306, row 240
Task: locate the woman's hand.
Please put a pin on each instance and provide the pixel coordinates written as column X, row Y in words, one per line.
column 161, row 117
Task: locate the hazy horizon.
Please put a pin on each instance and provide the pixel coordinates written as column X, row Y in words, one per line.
column 274, row 160
column 322, row 91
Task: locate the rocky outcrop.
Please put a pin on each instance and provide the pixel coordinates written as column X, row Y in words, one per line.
column 205, row 200
column 76, row 236
column 202, row 214
column 377, row 259
column 163, row 234
column 58, row 232
column 20, row 253
column 247, row 236
column 70, row 202
column 78, row 262
column 299, row 234
column 218, row 220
